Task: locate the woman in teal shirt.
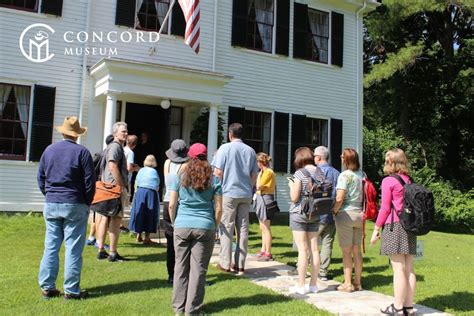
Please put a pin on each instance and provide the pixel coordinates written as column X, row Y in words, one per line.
column 199, row 213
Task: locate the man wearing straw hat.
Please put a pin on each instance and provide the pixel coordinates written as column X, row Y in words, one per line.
column 66, row 178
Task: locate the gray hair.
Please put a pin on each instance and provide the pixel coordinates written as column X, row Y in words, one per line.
column 117, row 125
column 322, row 151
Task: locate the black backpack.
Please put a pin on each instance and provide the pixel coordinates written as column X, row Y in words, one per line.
column 317, row 195
column 417, row 215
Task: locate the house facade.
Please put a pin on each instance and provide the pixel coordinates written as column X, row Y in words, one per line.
column 289, row 70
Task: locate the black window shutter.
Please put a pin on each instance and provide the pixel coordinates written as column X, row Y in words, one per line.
column 336, row 143
column 280, row 138
column 298, row 134
column 125, row 13
column 178, row 23
column 337, row 38
column 54, row 7
column 43, row 116
column 283, row 27
column 239, row 22
column 300, row 31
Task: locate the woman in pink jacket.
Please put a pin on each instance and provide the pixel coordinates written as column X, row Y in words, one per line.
column 399, row 245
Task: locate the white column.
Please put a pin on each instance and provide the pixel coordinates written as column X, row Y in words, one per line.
column 110, row 114
column 212, row 130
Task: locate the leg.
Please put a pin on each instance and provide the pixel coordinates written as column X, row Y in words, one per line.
column 242, row 223
column 114, row 232
column 101, row 226
column 201, row 252
column 267, row 236
column 327, row 233
column 263, row 249
column 357, row 255
column 169, row 242
column 411, row 281
column 181, row 269
column 75, row 225
column 399, row 279
column 227, row 228
column 315, row 259
column 92, row 226
column 54, row 236
column 302, row 244
column 347, row 264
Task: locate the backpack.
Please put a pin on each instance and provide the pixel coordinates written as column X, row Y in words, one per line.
column 317, row 195
column 370, row 204
column 417, row 215
column 96, row 160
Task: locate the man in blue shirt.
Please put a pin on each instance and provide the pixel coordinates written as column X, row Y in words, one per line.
column 327, row 227
column 236, row 165
column 66, row 177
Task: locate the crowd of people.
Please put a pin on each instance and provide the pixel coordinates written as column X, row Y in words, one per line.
column 203, row 197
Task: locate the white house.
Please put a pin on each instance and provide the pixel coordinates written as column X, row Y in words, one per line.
column 289, row 70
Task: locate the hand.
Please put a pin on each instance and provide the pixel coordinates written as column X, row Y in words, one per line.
column 375, row 237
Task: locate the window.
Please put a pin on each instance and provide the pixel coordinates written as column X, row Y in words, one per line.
column 14, row 116
column 176, row 123
column 319, row 40
column 257, row 129
column 151, row 14
column 308, row 132
column 26, row 5
column 261, row 25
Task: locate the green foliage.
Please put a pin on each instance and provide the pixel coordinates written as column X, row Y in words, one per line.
column 201, row 126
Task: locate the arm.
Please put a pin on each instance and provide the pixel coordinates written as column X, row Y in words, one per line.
column 114, row 169
column 385, row 210
column 218, row 208
column 218, row 173
column 41, row 177
column 166, row 167
column 340, row 194
column 295, row 190
column 253, row 178
column 89, row 177
column 173, row 204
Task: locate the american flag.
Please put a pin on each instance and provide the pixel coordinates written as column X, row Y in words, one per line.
column 192, row 14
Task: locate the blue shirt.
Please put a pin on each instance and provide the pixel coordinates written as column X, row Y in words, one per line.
column 332, row 174
column 196, row 209
column 66, row 173
column 238, row 162
column 148, row 178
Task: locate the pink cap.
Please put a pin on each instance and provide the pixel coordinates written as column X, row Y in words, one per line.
column 197, row 150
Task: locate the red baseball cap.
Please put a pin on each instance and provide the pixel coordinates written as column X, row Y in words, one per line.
column 197, row 150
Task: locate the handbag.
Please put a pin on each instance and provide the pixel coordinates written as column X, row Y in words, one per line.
column 272, row 207
column 107, row 199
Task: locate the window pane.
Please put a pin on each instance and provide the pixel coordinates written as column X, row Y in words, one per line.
column 7, row 129
column 19, row 147
column 5, row 146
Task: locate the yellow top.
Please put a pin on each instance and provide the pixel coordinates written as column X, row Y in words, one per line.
column 266, row 182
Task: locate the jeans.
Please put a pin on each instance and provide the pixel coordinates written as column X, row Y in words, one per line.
column 64, row 222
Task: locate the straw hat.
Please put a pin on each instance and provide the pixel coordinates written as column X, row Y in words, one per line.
column 71, row 127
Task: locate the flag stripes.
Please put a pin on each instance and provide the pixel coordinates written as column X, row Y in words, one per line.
column 192, row 14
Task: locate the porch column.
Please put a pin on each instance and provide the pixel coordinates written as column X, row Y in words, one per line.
column 110, row 114
column 212, row 130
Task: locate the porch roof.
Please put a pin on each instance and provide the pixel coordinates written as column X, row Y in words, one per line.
column 129, row 77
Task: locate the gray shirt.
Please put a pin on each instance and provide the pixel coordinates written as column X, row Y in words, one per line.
column 237, row 162
column 115, row 153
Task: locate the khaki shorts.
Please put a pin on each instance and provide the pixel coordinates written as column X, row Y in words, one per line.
column 349, row 228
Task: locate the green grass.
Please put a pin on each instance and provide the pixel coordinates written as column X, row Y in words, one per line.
column 445, row 274
column 135, row 287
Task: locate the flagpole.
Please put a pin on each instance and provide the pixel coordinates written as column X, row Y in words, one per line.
column 166, row 18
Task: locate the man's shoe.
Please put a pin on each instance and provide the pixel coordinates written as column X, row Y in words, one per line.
column 47, row 294
column 91, row 242
column 106, row 247
column 115, row 257
column 101, row 255
column 81, row 296
column 124, row 229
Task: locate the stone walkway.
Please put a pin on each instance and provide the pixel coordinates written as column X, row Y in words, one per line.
column 274, row 275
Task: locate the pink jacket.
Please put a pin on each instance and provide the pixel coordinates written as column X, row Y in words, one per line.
column 392, row 195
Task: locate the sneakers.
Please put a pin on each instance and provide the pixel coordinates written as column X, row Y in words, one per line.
column 115, row 257
column 91, row 242
column 101, row 255
column 124, row 229
column 265, row 257
column 297, row 290
column 311, row 288
column 81, row 296
column 47, row 294
column 106, row 247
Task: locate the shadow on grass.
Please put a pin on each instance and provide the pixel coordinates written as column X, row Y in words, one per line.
column 237, row 302
column 151, row 257
column 375, row 280
column 456, row 301
column 126, row 287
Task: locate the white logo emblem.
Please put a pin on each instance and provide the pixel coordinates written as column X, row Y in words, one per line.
column 38, row 43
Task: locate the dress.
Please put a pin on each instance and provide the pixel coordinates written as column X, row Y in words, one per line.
column 266, row 180
column 144, row 213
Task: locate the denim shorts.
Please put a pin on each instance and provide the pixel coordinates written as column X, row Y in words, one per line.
column 299, row 222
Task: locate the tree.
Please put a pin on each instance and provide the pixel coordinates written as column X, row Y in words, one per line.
column 201, row 126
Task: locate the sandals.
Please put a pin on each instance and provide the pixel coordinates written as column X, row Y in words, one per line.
column 408, row 310
column 345, row 288
column 391, row 310
column 357, row 287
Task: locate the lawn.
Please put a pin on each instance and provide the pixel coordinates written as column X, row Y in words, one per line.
column 445, row 274
column 135, row 287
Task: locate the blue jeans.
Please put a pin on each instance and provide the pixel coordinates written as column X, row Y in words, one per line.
column 68, row 222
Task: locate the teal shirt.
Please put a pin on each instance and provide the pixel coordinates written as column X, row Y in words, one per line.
column 196, row 209
column 351, row 182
